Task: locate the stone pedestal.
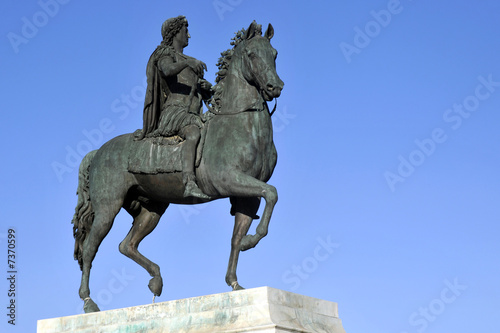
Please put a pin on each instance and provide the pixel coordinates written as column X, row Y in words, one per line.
column 262, row 310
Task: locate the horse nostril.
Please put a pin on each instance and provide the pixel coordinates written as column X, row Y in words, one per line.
column 270, row 87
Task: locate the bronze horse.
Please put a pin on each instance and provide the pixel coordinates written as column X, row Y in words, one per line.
column 238, row 159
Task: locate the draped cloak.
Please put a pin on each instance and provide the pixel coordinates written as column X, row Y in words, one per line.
column 156, row 92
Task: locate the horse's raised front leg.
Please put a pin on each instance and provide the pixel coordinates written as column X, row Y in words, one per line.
column 244, row 210
column 146, row 218
column 242, row 185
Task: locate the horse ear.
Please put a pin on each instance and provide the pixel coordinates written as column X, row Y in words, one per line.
column 251, row 30
column 269, row 32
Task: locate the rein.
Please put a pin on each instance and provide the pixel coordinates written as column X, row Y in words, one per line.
column 211, row 110
column 274, row 109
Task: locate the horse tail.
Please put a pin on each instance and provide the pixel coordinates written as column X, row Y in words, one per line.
column 84, row 213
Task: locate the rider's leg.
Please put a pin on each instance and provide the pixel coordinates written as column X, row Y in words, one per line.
column 191, row 134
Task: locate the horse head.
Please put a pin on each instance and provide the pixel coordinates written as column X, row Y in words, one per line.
column 259, row 61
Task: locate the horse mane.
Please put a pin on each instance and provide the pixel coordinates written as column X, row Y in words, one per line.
column 223, row 66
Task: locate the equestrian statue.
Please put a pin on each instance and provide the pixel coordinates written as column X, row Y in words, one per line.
column 183, row 155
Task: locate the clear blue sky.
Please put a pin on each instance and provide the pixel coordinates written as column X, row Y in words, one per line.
column 388, row 169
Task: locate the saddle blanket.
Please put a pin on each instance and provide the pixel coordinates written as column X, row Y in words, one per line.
column 155, row 155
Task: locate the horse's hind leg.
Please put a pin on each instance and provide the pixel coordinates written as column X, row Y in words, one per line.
column 244, row 210
column 105, row 214
column 146, row 218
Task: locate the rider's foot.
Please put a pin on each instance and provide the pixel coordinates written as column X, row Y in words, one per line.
column 192, row 190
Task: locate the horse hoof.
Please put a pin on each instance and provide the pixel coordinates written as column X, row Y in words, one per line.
column 156, row 285
column 247, row 243
column 90, row 306
column 236, row 286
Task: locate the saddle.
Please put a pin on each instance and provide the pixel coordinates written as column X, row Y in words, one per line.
column 160, row 154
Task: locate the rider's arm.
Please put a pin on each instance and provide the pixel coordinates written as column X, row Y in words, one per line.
column 169, row 67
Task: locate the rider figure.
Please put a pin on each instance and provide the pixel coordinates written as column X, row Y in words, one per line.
column 176, row 90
